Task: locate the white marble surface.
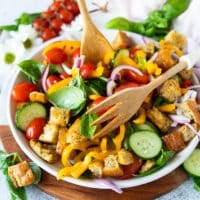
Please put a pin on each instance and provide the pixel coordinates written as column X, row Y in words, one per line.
column 10, row 9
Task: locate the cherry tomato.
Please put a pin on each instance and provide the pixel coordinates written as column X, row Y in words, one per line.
column 35, row 128
column 132, row 51
column 56, row 56
column 126, row 85
column 48, row 14
column 56, row 24
column 130, row 75
column 64, row 75
column 21, row 91
column 55, row 5
column 96, row 102
column 131, row 169
column 66, row 15
column 52, row 79
column 186, row 83
column 75, row 54
column 40, row 24
column 86, row 70
column 48, row 34
column 73, row 7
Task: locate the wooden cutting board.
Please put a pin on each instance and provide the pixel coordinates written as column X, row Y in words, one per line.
column 67, row 191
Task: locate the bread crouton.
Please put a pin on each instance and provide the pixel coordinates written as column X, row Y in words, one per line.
column 186, row 74
column 149, row 48
column 190, row 110
column 187, row 133
column 176, row 39
column 170, row 90
column 73, row 134
column 161, row 120
column 124, row 157
column 46, row 151
column 121, row 40
column 174, row 141
column 50, row 134
column 112, row 167
column 61, row 143
column 147, row 165
column 96, row 168
column 21, row 174
column 59, row 116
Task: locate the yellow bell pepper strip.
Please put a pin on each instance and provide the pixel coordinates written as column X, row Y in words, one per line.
column 94, row 96
column 103, row 144
column 167, row 108
column 119, row 138
column 128, row 61
column 66, row 171
column 68, row 45
column 108, row 57
column 141, row 116
column 98, row 71
column 152, row 68
column 59, row 85
column 38, row 97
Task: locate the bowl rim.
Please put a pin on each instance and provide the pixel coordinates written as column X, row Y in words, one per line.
column 174, row 163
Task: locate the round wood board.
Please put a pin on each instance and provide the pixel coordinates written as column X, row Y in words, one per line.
column 68, row 191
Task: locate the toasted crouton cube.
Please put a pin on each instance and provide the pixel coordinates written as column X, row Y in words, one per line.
column 125, row 157
column 21, row 174
column 149, row 48
column 174, row 141
column 186, row 74
column 112, row 167
column 187, row 133
column 73, row 134
column 50, row 134
column 96, row 168
column 61, row 143
column 176, row 38
column 147, row 165
column 59, row 116
column 46, row 151
column 189, row 109
column 121, row 40
column 170, row 90
column 161, row 120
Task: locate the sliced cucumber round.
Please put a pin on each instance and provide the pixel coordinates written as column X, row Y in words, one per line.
column 25, row 114
column 146, row 144
column 192, row 163
column 147, row 126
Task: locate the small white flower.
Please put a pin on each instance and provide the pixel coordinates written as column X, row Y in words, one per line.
column 11, row 51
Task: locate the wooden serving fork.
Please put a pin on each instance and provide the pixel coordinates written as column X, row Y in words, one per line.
column 125, row 104
column 93, row 43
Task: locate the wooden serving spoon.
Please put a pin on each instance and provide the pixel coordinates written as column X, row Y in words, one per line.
column 93, row 43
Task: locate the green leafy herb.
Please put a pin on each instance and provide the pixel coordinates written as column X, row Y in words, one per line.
column 129, row 131
column 158, row 22
column 86, row 129
column 24, row 18
column 196, row 181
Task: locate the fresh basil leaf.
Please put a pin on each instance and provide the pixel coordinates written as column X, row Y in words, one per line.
column 97, row 86
column 86, row 129
column 69, row 97
column 36, row 171
column 32, row 69
column 26, row 18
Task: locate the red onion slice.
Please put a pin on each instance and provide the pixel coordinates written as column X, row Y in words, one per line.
column 109, row 184
column 110, row 87
column 179, row 119
column 66, row 69
column 44, row 78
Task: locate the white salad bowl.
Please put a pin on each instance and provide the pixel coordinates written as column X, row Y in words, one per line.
column 52, row 169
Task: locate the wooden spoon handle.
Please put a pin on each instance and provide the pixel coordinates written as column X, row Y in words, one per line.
column 84, row 13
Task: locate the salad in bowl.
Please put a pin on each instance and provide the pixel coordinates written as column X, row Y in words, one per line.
column 52, row 91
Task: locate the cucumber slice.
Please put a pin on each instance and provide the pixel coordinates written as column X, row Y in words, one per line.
column 27, row 113
column 146, row 144
column 118, row 57
column 192, row 163
column 147, row 126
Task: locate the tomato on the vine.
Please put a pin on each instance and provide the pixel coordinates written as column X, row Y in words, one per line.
column 52, row 79
column 66, row 15
column 55, row 56
column 48, row 34
column 86, row 70
column 56, row 24
column 40, row 24
column 55, row 5
column 21, row 91
column 35, row 128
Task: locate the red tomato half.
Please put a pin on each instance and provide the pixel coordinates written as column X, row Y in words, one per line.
column 126, row 85
column 21, row 91
column 131, row 169
column 76, row 53
column 52, row 79
column 96, row 102
column 86, row 70
column 130, row 75
column 56, row 56
column 35, row 128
